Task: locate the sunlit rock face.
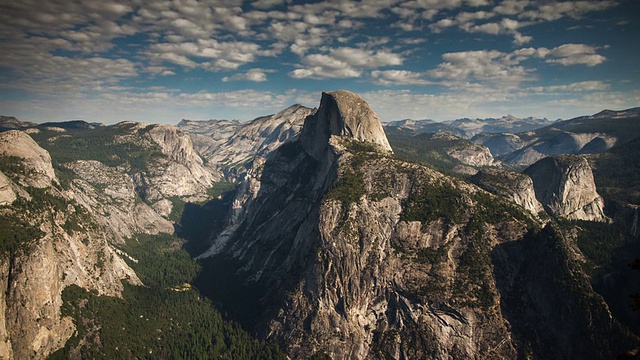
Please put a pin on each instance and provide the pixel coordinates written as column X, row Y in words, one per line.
column 337, row 248
column 565, row 187
column 342, row 113
column 511, row 185
column 53, row 257
column 230, row 146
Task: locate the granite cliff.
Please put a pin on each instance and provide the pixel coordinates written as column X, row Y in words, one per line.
column 564, row 185
column 50, row 241
column 230, row 146
column 335, row 247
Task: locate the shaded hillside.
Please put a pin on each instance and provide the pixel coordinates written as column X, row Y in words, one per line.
column 441, row 151
column 582, row 135
column 336, row 247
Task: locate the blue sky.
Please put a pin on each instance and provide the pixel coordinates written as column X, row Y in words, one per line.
column 161, row 61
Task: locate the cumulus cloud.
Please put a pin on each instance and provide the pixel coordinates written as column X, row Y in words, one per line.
column 255, row 75
column 343, row 62
column 481, row 65
column 574, row 87
column 555, row 10
column 573, row 54
column 399, row 77
column 225, row 55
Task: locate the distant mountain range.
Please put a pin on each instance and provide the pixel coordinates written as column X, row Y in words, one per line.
column 521, row 142
column 467, row 128
column 323, row 233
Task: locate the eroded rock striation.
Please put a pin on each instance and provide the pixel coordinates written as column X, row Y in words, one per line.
column 334, row 247
column 511, row 185
column 564, row 185
column 342, row 113
column 231, row 146
column 53, row 242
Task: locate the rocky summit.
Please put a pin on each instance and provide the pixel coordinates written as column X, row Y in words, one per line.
column 338, row 249
column 342, row 113
column 328, row 245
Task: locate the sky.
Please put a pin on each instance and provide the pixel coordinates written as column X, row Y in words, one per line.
column 161, row 61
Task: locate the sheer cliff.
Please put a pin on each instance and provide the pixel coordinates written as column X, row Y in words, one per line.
column 335, row 247
column 49, row 241
column 230, row 146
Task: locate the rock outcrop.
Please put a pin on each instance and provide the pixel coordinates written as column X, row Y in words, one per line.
column 511, row 185
column 56, row 243
column 334, row 247
column 7, row 194
column 581, row 135
column 564, row 185
column 19, row 145
column 342, row 113
column 499, row 144
column 230, row 146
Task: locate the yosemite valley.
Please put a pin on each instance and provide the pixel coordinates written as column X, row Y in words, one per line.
column 321, row 234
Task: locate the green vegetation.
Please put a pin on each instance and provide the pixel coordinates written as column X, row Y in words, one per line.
column 12, row 166
column 162, row 263
column 350, row 187
column 426, row 149
column 219, row 188
column 598, row 241
column 166, row 319
column 16, row 220
column 98, row 144
column 15, row 232
column 432, row 202
column 616, row 173
column 431, row 256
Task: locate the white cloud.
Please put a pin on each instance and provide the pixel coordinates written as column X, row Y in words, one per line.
column 574, row 54
column 399, row 77
column 555, row 10
column 574, row 87
column 343, row 62
column 266, row 4
column 226, row 55
column 490, row 66
column 511, row 7
column 255, row 75
column 319, row 66
column 366, row 58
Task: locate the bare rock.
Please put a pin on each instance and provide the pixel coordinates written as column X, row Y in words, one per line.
column 342, row 113
column 566, row 188
column 7, row 194
column 511, row 185
column 36, row 159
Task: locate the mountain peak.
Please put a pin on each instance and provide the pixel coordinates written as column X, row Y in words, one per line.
column 342, row 113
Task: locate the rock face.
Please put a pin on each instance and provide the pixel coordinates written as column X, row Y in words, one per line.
column 7, row 194
column 70, row 228
column 342, row 113
column 511, row 185
column 565, row 187
column 63, row 247
column 337, row 248
column 112, row 194
column 181, row 173
column 471, row 154
column 18, row 144
column 499, row 144
column 230, row 146
column 581, row 135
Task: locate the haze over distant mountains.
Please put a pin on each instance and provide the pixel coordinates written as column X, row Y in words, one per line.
column 322, row 233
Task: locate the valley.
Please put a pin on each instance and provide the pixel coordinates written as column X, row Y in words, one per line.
column 321, row 233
